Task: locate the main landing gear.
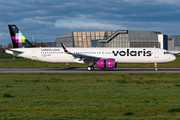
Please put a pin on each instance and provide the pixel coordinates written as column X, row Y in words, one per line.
column 90, row 68
column 155, row 65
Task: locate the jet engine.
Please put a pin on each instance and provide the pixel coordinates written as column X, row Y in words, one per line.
column 107, row 63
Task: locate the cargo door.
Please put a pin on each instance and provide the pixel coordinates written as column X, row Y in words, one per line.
column 34, row 54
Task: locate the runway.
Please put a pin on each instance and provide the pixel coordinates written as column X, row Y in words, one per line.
column 83, row 70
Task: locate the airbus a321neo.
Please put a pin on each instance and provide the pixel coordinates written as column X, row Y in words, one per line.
column 105, row 58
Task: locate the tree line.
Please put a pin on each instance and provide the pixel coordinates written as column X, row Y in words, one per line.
column 9, row 46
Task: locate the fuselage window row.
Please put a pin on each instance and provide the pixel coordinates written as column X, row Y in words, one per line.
column 77, row 53
column 52, row 52
column 93, row 52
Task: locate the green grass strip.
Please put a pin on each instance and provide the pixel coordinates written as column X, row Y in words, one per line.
column 90, row 96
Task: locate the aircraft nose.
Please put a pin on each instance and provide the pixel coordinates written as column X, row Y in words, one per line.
column 173, row 58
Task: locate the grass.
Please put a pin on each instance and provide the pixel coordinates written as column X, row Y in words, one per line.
column 26, row 63
column 8, row 56
column 90, row 96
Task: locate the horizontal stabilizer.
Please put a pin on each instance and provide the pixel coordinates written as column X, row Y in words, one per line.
column 19, row 52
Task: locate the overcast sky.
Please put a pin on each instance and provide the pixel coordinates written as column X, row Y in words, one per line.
column 50, row 19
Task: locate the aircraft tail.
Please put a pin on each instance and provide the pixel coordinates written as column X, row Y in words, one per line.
column 18, row 39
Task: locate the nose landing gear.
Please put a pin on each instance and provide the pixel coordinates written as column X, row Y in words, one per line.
column 155, row 65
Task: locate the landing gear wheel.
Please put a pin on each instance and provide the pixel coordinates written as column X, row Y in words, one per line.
column 155, row 65
column 90, row 68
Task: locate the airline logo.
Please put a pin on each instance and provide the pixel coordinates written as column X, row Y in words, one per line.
column 132, row 53
column 19, row 38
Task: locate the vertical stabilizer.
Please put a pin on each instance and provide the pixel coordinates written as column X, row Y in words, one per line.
column 18, row 39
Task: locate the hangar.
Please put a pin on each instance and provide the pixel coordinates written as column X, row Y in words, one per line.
column 174, row 43
column 120, row 38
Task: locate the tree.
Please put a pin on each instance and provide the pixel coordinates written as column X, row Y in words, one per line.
column 39, row 44
column 1, row 48
column 9, row 46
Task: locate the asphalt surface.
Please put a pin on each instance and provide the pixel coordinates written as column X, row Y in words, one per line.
column 83, row 70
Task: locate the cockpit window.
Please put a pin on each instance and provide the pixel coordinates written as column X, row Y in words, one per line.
column 167, row 53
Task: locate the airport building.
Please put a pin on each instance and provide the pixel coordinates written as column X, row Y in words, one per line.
column 174, row 43
column 120, row 38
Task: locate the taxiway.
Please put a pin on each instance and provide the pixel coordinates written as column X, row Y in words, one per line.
column 83, row 70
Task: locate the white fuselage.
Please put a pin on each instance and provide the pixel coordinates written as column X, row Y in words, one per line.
column 121, row 55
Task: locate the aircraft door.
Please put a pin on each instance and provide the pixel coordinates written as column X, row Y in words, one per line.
column 34, row 54
column 156, row 53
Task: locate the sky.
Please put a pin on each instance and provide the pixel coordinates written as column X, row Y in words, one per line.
column 49, row 19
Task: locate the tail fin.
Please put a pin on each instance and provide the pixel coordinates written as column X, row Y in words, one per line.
column 18, row 39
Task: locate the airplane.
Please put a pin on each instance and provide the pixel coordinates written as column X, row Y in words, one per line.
column 105, row 58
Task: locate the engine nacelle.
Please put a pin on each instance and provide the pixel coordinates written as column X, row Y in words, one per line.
column 107, row 63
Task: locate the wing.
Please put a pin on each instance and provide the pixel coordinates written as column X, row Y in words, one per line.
column 81, row 56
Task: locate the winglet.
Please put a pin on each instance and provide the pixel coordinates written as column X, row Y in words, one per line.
column 65, row 50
